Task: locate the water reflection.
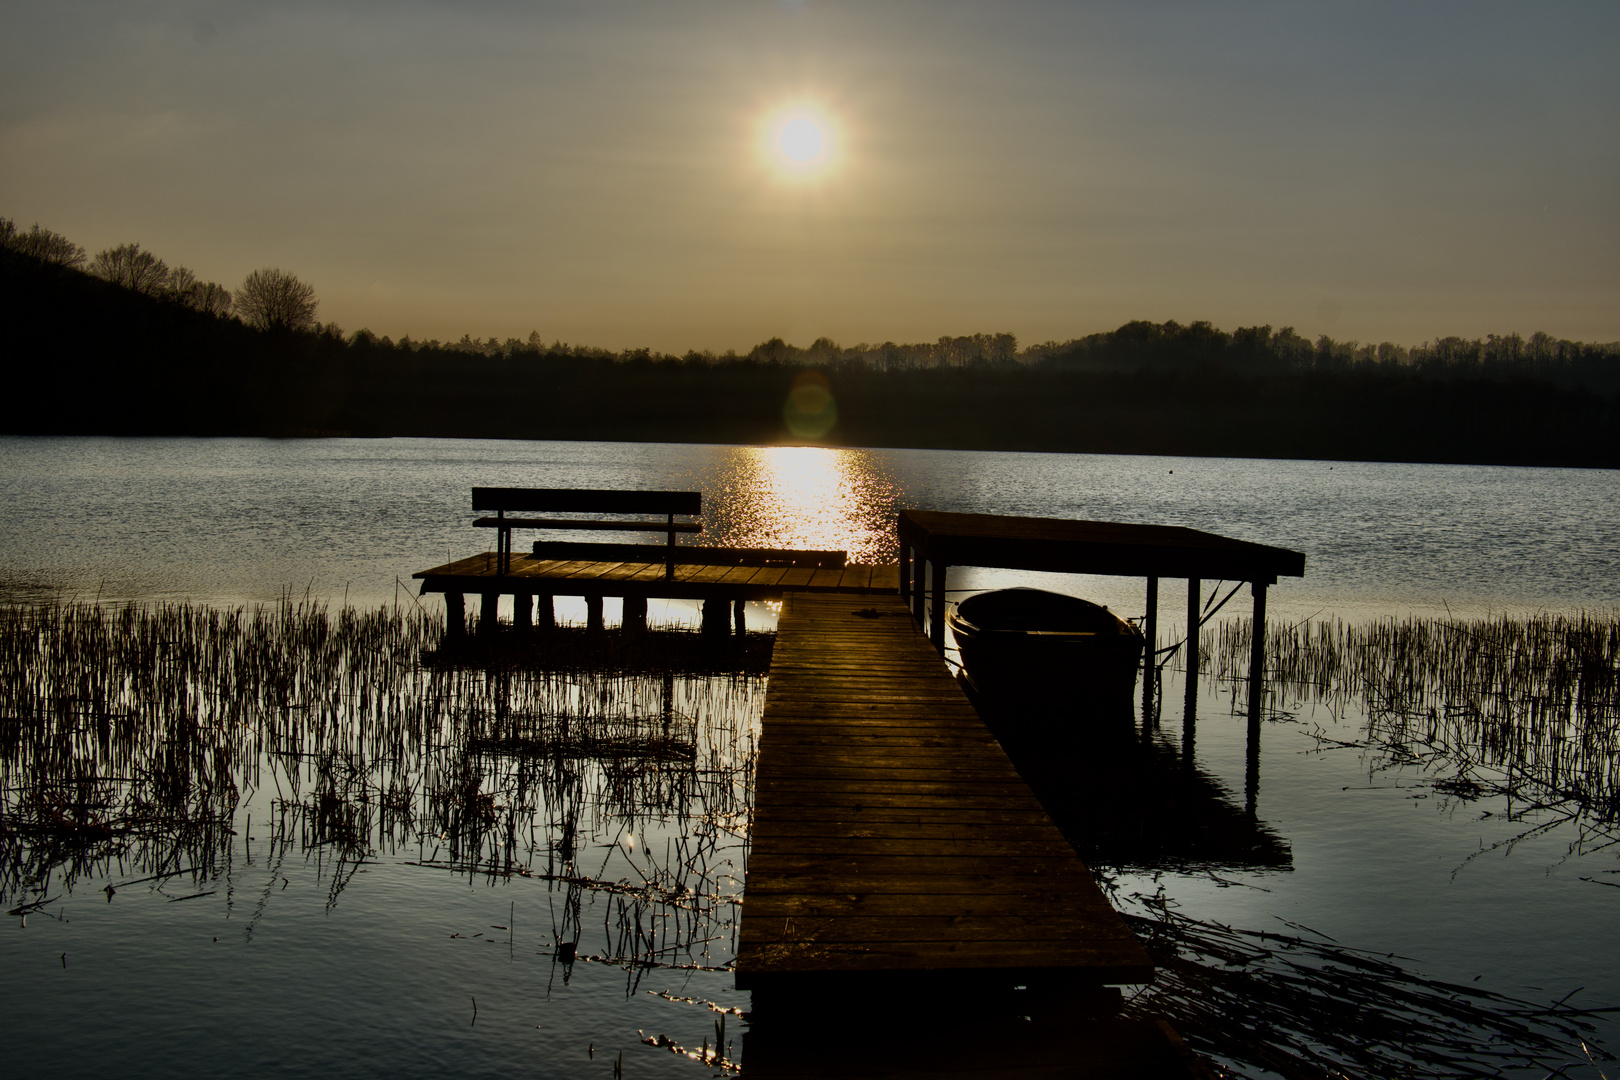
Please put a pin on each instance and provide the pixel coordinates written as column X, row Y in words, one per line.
column 1129, row 801
column 808, row 497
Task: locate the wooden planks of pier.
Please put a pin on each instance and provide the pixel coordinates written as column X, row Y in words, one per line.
column 722, row 578
column 891, row 833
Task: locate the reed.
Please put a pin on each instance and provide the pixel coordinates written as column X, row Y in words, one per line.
column 132, row 738
column 1528, row 708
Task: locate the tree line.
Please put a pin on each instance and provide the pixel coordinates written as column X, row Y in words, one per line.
column 120, row 344
column 268, row 298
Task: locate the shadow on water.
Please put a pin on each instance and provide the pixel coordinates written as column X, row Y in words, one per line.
column 1124, row 800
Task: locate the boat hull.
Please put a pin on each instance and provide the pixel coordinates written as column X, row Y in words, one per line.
column 1048, row 665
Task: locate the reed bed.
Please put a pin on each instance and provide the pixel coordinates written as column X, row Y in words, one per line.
column 1527, row 708
column 133, row 739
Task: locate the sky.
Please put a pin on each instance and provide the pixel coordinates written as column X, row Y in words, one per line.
column 608, row 172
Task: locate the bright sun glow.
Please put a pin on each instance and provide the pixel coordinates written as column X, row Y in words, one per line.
column 801, row 141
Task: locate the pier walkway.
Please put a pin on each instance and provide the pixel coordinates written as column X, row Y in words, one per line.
column 891, row 833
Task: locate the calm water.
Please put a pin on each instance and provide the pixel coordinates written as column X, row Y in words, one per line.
column 230, row 520
column 297, row 961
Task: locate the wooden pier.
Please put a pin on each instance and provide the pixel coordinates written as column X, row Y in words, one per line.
column 891, row 833
column 707, row 574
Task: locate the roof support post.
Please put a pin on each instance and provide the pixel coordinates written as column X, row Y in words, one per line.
column 1257, row 678
column 1150, row 632
column 1189, row 723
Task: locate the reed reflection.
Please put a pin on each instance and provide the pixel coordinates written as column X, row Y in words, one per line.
column 808, row 497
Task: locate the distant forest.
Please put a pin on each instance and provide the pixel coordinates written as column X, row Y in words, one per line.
column 120, row 344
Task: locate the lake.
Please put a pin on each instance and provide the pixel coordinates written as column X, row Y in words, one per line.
column 372, row 903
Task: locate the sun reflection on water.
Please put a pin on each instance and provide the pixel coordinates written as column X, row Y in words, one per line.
column 808, row 497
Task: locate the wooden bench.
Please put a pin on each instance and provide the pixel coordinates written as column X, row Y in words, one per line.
column 504, row 501
column 558, row 564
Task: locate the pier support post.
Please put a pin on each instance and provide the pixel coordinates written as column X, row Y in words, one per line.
column 455, row 615
column 593, row 613
column 1189, row 724
column 716, row 624
column 635, row 615
column 739, row 618
column 545, row 614
column 522, row 611
column 936, row 617
column 1150, row 634
column 1257, row 652
column 489, row 605
column 1257, row 693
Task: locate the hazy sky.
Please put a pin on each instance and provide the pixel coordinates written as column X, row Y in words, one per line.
column 602, row 171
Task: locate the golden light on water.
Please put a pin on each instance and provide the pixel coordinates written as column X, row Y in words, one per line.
column 811, row 497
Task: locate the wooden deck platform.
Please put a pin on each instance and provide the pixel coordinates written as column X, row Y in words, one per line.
column 892, row 835
column 479, row 574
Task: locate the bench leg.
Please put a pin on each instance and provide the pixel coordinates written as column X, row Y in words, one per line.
column 455, row 615
column 593, row 613
column 635, row 614
column 739, row 619
column 522, row 611
column 489, row 604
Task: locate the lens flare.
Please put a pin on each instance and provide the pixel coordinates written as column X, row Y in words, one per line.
column 810, row 411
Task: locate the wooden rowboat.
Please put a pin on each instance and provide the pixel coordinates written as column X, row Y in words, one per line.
column 1056, row 661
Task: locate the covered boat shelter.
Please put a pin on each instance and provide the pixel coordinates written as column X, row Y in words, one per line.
column 932, row 541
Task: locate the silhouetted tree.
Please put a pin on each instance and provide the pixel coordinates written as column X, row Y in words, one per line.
column 133, row 268
column 40, row 243
column 273, row 299
column 205, row 296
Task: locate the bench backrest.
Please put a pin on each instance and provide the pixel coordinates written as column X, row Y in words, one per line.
column 586, row 501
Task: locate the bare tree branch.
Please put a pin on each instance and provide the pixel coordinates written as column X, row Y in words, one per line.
column 273, row 299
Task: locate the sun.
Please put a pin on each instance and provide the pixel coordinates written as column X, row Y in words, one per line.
column 800, row 141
